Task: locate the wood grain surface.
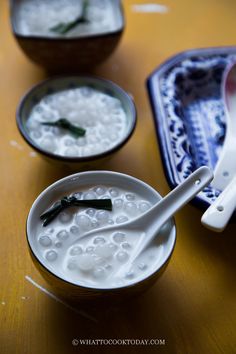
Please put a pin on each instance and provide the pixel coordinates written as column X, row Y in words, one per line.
column 192, row 307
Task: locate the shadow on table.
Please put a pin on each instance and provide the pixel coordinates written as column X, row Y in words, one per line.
column 138, row 318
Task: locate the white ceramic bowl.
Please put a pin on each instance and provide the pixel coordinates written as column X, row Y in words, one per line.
column 69, row 185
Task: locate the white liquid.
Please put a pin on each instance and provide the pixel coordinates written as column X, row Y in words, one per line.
column 101, row 115
column 95, row 261
column 37, row 17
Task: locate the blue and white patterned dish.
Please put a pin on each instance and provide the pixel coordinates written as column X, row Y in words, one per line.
column 185, row 94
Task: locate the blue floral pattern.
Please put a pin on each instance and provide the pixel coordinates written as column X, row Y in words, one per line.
column 189, row 113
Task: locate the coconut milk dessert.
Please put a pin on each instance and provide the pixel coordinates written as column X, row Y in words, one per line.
column 79, row 17
column 97, row 261
column 100, row 115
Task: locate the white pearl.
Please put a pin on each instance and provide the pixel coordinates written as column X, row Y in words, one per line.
column 119, row 237
column 131, row 208
column 51, row 256
column 121, row 219
column 122, row 256
column 99, row 272
column 63, row 235
column 83, row 222
column 76, row 250
column 65, row 217
column 86, row 262
column 99, row 240
column 105, row 250
column 45, row 241
column 144, row 206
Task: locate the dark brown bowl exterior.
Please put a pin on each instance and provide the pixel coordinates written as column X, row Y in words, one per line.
column 85, row 295
column 67, row 54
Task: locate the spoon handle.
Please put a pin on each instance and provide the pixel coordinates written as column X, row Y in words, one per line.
column 218, row 214
column 156, row 217
column 177, row 198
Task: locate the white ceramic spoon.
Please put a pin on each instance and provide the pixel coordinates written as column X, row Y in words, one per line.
column 218, row 214
column 149, row 224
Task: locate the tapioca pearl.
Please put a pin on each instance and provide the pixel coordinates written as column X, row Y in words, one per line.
column 87, row 151
column 90, row 212
column 102, row 216
column 77, row 195
column 89, row 122
column 63, row 235
column 105, row 145
column 83, row 222
column 99, row 273
column 33, row 124
column 110, row 222
column 106, row 119
column 47, row 129
column 118, row 203
column 45, row 241
column 81, row 141
column 51, row 256
column 36, row 134
column 108, row 267
column 131, row 208
column 76, row 250
column 100, row 190
column 69, row 142
column 130, row 274
column 130, row 197
column 142, row 266
column 90, row 195
column 38, row 109
column 126, row 245
column 95, row 224
column 99, row 260
column 71, row 151
column 86, row 262
column 65, row 217
column 74, row 230
column 122, row 256
column 121, row 219
column 72, row 264
column 144, row 206
column 114, row 192
column 48, row 144
column 105, row 197
column 103, row 132
column 58, row 244
column 99, row 240
column 90, row 249
column 119, row 237
column 113, row 137
column 106, row 250
column 92, row 139
column 86, row 92
column 56, row 131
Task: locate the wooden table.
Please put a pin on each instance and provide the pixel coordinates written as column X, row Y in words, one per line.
column 192, row 307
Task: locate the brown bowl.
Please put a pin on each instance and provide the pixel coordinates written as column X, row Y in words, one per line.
column 59, row 83
column 67, row 54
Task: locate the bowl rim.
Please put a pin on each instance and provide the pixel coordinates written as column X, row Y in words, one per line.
column 76, row 159
column 88, row 288
column 58, row 39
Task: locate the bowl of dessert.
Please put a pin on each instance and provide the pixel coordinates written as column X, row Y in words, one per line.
column 67, row 35
column 73, row 243
column 76, row 120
